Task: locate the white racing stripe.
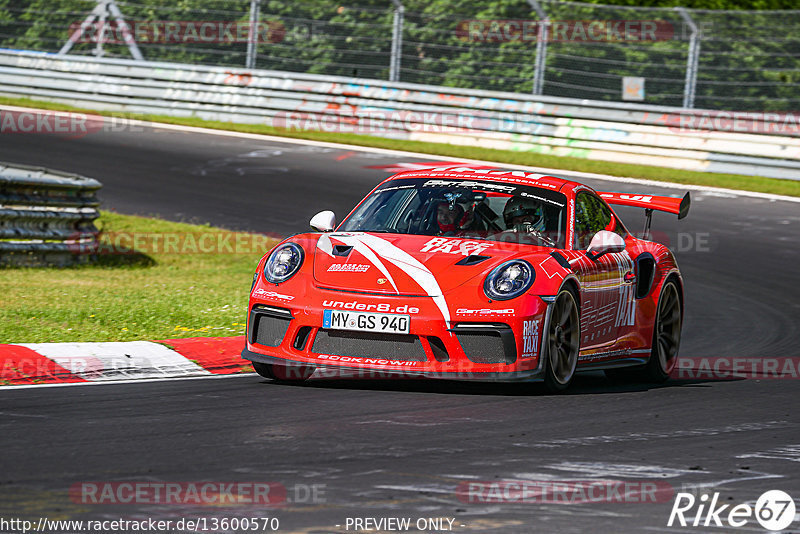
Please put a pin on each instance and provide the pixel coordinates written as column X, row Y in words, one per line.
column 412, row 267
column 371, row 247
column 364, row 250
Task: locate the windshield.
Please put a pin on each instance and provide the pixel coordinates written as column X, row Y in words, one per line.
column 492, row 211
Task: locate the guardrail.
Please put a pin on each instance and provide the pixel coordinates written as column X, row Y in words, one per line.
column 46, row 217
column 709, row 141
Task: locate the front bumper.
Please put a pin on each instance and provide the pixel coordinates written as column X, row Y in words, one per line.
column 496, row 344
column 344, row 371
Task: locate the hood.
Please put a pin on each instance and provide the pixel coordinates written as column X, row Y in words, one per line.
column 403, row 264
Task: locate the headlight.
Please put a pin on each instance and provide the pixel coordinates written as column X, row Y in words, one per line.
column 509, row 280
column 283, row 262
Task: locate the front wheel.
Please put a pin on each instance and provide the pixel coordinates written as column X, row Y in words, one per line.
column 294, row 374
column 563, row 343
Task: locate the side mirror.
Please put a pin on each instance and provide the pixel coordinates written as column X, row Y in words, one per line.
column 324, row 221
column 604, row 242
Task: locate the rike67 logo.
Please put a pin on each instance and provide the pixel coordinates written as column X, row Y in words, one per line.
column 774, row 510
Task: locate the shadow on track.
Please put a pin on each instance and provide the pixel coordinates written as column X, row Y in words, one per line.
column 589, row 383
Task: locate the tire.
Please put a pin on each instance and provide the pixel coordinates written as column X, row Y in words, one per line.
column 563, row 343
column 664, row 353
column 294, row 374
column 666, row 335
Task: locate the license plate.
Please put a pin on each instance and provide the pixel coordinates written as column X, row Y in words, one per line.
column 366, row 322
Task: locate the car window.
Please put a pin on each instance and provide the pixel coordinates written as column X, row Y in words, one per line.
column 591, row 216
column 464, row 208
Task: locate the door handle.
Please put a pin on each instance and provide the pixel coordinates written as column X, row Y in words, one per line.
column 629, row 277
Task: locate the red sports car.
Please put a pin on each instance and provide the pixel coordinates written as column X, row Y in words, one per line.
column 462, row 272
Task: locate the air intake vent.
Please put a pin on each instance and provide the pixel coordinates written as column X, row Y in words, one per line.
column 268, row 330
column 483, row 348
column 439, row 349
column 487, row 343
column 342, row 250
column 473, row 259
column 399, row 347
column 561, row 260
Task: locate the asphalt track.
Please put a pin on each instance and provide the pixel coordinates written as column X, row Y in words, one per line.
column 401, row 449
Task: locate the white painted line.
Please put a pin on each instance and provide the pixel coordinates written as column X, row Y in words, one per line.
column 612, row 470
column 402, row 153
column 118, row 360
column 126, row 381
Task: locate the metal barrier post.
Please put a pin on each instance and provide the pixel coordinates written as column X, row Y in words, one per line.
column 252, row 37
column 692, row 59
column 541, row 47
column 397, row 41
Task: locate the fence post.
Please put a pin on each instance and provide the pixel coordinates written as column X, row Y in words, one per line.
column 130, row 40
column 253, row 33
column 100, row 13
column 541, row 47
column 397, row 41
column 690, row 85
column 101, row 31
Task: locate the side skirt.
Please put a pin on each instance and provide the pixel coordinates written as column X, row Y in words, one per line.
column 622, row 358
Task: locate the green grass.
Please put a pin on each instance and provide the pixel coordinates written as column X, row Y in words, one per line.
column 144, row 295
column 730, row 181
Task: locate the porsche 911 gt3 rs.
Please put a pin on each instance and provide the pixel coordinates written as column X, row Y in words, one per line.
column 471, row 273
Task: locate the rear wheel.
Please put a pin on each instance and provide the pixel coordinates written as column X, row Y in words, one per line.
column 563, row 343
column 294, row 374
column 666, row 335
column 666, row 340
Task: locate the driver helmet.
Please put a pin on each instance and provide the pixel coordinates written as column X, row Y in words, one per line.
column 523, row 214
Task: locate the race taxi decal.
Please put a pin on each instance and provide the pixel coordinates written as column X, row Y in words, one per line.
column 626, row 312
column 530, row 338
column 611, row 302
column 455, row 246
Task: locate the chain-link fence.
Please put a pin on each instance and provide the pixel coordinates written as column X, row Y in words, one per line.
column 736, row 60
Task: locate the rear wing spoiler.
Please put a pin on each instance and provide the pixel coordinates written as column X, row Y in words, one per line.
column 678, row 206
